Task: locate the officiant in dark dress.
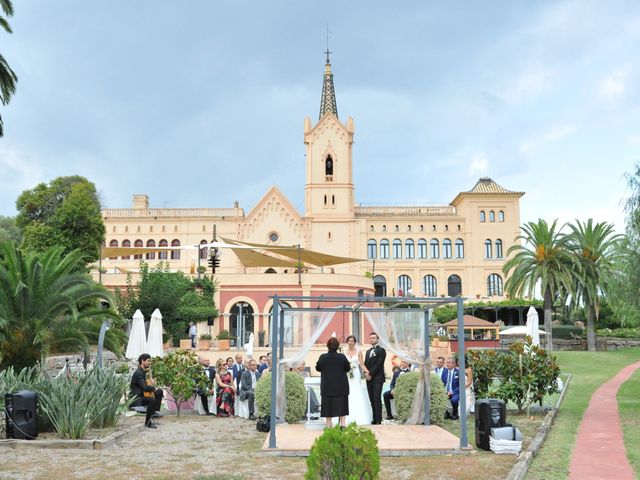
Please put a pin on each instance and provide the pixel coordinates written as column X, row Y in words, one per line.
column 334, row 384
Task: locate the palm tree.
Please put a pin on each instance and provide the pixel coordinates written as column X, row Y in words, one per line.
column 8, row 79
column 596, row 247
column 542, row 258
column 49, row 304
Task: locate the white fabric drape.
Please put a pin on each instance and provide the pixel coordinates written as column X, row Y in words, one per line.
column 137, row 343
column 295, row 355
column 154, row 340
column 402, row 333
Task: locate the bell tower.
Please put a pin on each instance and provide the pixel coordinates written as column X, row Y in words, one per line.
column 329, row 190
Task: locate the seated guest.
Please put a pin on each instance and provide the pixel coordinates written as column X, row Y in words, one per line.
column 451, row 379
column 248, row 381
column 143, row 390
column 225, row 390
column 314, row 404
column 388, row 395
column 439, row 368
column 263, row 363
column 237, row 369
column 204, row 393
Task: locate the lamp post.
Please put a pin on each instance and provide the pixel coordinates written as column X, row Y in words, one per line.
column 240, row 324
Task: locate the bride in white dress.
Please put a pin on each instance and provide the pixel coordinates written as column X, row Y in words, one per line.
column 359, row 406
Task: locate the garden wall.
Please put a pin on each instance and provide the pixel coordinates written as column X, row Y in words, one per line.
column 578, row 344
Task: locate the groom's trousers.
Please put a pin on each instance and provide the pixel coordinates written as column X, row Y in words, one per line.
column 374, row 389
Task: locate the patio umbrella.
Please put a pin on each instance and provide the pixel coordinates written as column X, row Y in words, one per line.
column 532, row 326
column 520, row 330
column 154, row 341
column 137, row 338
column 248, row 347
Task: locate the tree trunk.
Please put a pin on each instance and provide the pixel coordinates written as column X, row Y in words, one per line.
column 591, row 328
column 548, row 312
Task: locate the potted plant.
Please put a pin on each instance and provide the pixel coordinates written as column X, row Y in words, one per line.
column 204, row 342
column 202, row 269
column 261, row 336
column 223, row 340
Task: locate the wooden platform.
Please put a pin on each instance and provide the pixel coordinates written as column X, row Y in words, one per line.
column 393, row 440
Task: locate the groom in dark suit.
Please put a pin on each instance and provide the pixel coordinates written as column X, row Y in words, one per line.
column 374, row 366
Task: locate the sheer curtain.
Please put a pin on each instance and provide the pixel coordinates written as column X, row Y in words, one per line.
column 307, row 328
column 402, row 333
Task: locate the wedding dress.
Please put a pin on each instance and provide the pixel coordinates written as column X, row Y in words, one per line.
column 359, row 406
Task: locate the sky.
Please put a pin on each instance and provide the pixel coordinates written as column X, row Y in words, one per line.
column 203, row 104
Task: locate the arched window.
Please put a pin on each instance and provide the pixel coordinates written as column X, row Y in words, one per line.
column 488, row 250
column 138, row 244
column 459, row 248
column 492, row 216
column 483, row 217
column 270, row 270
column 384, row 248
column 126, row 244
column 113, row 243
column 372, row 248
column 454, row 286
column 404, row 285
column 494, row 285
column 397, row 248
column 325, row 199
column 422, row 248
column 163, row 255
column 151, row 244
column 240, row 323
column 409, row 249
column 333, row 199
column 429, row 286
column 384, row 228
column 501, row 216
column 380, row 286
column 204, row 251
column 175, row 254
column 328, row 167
column 435, row 248
column 498, row 248
column 446, row 248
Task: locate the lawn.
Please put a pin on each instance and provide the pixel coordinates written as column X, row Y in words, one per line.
column 589, row 370
column 629, row 406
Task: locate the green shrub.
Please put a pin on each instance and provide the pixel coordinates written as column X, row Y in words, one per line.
column 633, row 333
column 181, row 373
column 405, row 390
column 566, row 331
column 111, row 388
column 223, row 335
column 349, row 454
column 296, row 396
column 485, row 369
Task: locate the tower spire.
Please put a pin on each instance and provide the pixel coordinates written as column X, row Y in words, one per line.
column 328, row 100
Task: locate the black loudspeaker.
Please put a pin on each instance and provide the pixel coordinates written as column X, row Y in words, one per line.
column 490, row 413
column 210, row 321
column 21, row 414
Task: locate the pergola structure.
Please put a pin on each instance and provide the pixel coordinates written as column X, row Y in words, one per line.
column 357, row 305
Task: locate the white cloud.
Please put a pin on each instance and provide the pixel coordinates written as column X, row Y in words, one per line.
column 614, row 85
column 552, row 135
column 634, row 139
column 479, row 165
column 15, row 163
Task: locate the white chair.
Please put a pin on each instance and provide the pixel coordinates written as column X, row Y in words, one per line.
column 241, row 407
column 198, row 407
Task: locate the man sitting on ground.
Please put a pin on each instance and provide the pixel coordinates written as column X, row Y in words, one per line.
column 143, row 392
column 248, row 381
column 388, row 395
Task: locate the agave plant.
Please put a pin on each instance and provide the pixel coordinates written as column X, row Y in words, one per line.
column 49, row 304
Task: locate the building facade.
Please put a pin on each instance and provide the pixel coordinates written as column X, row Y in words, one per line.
column 421, row 250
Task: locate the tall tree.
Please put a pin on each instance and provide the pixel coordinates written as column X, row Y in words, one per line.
column 64, row 213
column 8, row 78
column 595, row 246
column 539, row 257
column 9, row 231
column 49, row 304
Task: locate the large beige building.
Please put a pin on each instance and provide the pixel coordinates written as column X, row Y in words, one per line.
column 422, row 250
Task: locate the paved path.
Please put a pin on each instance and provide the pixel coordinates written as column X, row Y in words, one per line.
column 599, row 452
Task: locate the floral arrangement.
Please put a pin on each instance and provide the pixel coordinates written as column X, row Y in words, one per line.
column 354, row 366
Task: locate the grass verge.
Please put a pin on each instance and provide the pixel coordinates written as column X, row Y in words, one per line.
column 589, row 370
column 629, row 405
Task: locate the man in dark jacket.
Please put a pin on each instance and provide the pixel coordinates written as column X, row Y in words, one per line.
column 388, row 395
column 204, row 393
column 374, row 373
column 140, row 385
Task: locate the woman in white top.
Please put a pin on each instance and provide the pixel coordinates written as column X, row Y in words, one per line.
column 359, row 406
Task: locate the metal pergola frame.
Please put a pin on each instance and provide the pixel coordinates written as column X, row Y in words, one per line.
column 357, row 302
